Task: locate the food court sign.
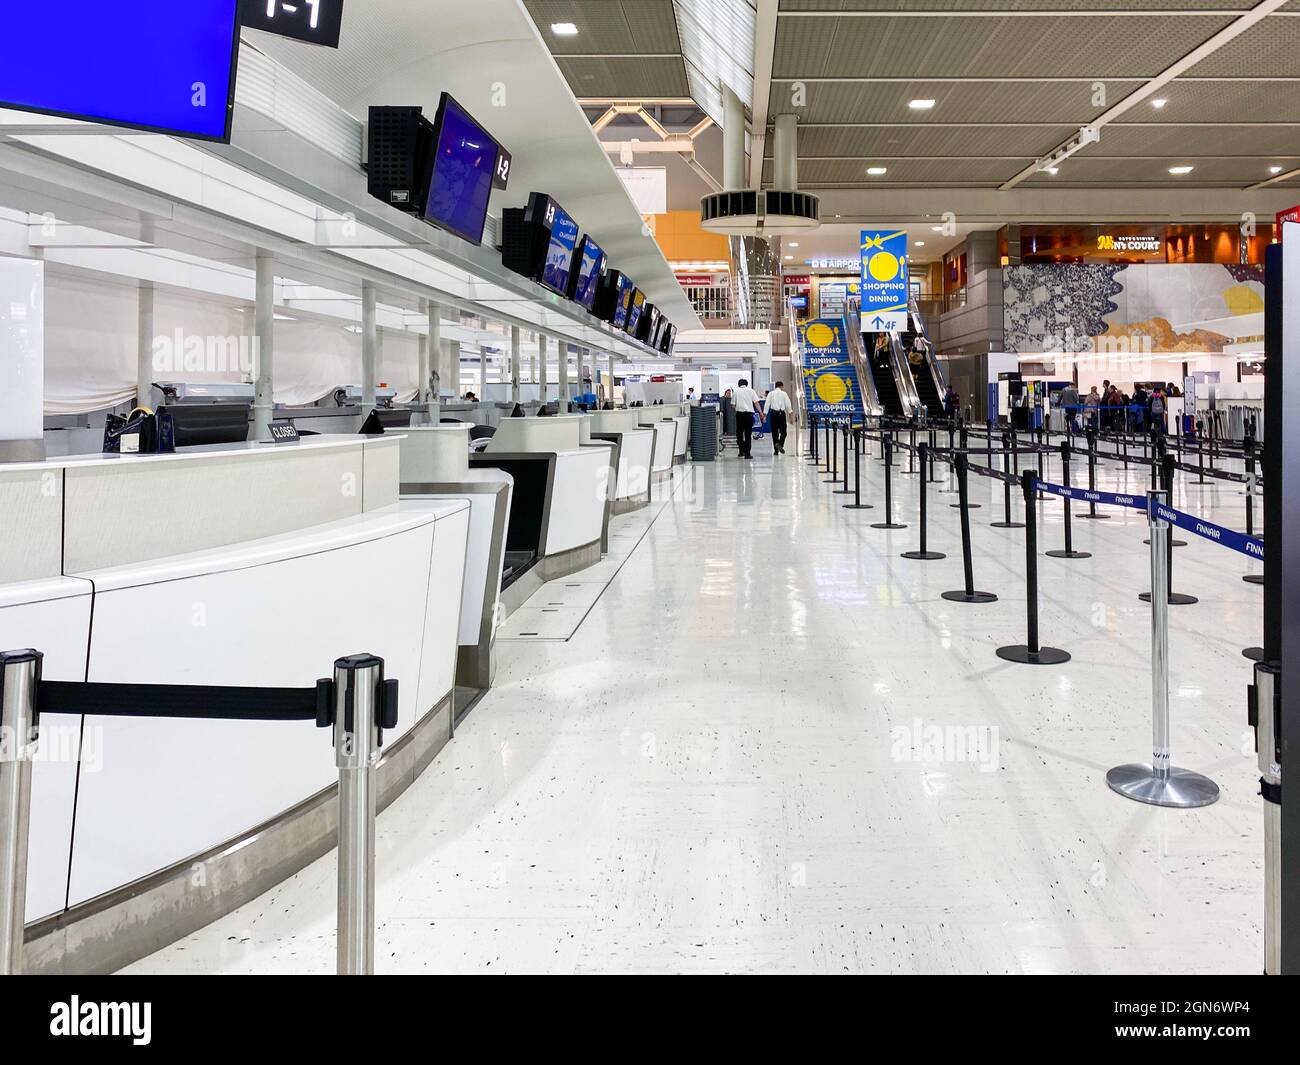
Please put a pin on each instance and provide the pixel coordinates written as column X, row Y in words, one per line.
column 829, row 380
column 884, row 281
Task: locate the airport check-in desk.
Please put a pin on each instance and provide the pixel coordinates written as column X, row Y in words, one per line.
column 435, row 465
column 636, row 445
column 559, row 507
column 233, row 566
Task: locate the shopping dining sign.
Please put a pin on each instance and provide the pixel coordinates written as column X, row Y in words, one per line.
column 830, row 382
column 884, row 280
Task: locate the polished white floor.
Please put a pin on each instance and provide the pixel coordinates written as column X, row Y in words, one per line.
column 772, row 747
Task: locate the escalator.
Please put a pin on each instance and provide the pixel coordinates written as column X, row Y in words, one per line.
column 920, row 362
column 872, row 404
column 882, row 375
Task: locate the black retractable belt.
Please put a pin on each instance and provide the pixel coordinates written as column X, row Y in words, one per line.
column 966, row 503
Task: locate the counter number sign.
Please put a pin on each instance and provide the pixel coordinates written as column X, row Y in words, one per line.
column 314, row 21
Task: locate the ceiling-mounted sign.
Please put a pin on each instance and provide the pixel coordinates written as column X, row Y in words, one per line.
column 648, row 187
column 314, row 21
column 833, row 263
column 501, row 175
column 884, row 280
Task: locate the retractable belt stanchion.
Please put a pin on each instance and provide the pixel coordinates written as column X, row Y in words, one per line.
column 829, row 445
column 845, row 490
column 1007, row 522
column 20, row 673
column 1266, row 719
column 1251, row 578
column 933, row 442
column 1068, row 551
column 1160, row 783
column 963, row 441
column 1175, row 598
column 1032, row 653
column 1092, row 514
column 921, row 552
column 968, row 594
column 889, row 522
column 1200, row 451
column 812, row 440
column 911, row 454
column 832, row 453
column 857, row 503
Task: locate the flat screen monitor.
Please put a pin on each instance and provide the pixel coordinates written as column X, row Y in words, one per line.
column 667, row 339
column 590, row 263
column 464, row 162
column 645, row 328
column 624, row 304
column 557, row 267
column 157, row 65
column 635, row 309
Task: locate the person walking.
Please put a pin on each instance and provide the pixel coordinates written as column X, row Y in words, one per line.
column 778, row 408
column 746, row 401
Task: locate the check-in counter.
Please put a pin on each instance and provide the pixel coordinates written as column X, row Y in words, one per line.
column 636, row 448
column 242, row 566
column 665, row 429
column 435, row 465
column 560, row 498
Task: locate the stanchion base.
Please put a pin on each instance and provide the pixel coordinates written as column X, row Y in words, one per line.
column 1255, row 654
column 1006, row 525
column 1182, row 789
column 969, row 506
column 1253, row 578
column 1175, row 598
column 1094, row 517
column 923, row 555
column 1068, row 554
column 858, row 506
column 1177, row 543
column 960, row 596
column 887, row 525
column 1044, row 656
column 842, row 492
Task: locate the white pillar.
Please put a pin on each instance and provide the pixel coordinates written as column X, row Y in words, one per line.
column 264, row 336
column 369, row 348
column 514, row 363
column 435, row 378
column 785, row 159
column 733, row 141
column 482, row 373
column 611, row 378
column 562, row 367
column 144, row 335
column 453, row 366
column 22, row 325
column 541, row 362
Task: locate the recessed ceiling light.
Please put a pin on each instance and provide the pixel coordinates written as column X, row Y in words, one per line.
column 1180, row 169
column 1275, row 170
column 876, row 171
column 794, row 244
column 936, row 229
column 1053, row 170
column 789, row 256
column 1159, row 102
column 564, row 29
column 918, row 244
column 920, row 105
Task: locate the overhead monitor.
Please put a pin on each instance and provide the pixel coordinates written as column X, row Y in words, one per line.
column 635, row 308
column 463, row 168
column 563, row 242
column 156, row 65
column 624, row 305
column 590, row 263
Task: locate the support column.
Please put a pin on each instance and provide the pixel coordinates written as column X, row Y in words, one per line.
column 515, row 352
column 482, row 373
column 733, row 141
column 144, row 335
column 785, row 159
column 436, row 376
column 264, row 335
column 541, row 361
column 611, row 378
column 369, row 348
column 562, row 368
column 453, row 367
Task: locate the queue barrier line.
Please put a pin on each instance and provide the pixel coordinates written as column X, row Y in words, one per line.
column 357, row 702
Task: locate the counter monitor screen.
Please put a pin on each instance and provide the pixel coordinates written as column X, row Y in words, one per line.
column 559, row 252
column 634, row 311
column 464, row 162
column 591, row 265
column 133, row 65
column 624, row 305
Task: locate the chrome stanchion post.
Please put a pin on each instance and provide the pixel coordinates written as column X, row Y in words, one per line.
column 364, row 704
column 1160, row 783
column 20, row 674
column 1266, row 718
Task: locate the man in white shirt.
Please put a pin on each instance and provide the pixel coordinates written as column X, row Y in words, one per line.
column 746, row 402
column 778, row 408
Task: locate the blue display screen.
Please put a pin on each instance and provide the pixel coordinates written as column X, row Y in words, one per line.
column 624, row 304
column 634, row 312
column 589, row 271
column 559, row 253
column 464, row 162
column 152, row 64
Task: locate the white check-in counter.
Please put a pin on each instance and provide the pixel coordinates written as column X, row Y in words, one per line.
column 228, row 567
column 636, row 452
column 665, row 429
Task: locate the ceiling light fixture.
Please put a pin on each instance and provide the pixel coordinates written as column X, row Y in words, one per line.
column 1159, row 102
column 1275, row 170
column 936, row 229
column 1086, row 135
column 564, row 29
column 877, row 171
column 920, row 105
column 1053, row 170
column 918, row 244
column 1180, row 170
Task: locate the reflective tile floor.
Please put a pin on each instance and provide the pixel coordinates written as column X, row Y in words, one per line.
column 772, row 747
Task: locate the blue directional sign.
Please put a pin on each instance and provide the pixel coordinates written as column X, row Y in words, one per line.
column 884, row 280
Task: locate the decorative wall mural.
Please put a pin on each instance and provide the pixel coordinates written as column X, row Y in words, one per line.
column 1156, row 308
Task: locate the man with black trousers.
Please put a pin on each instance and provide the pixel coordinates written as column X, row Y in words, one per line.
column 778, row 408
column 746, row 403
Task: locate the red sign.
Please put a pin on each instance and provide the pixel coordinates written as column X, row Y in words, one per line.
column 1291, row 214
column 705, row 280
column 798, row 279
